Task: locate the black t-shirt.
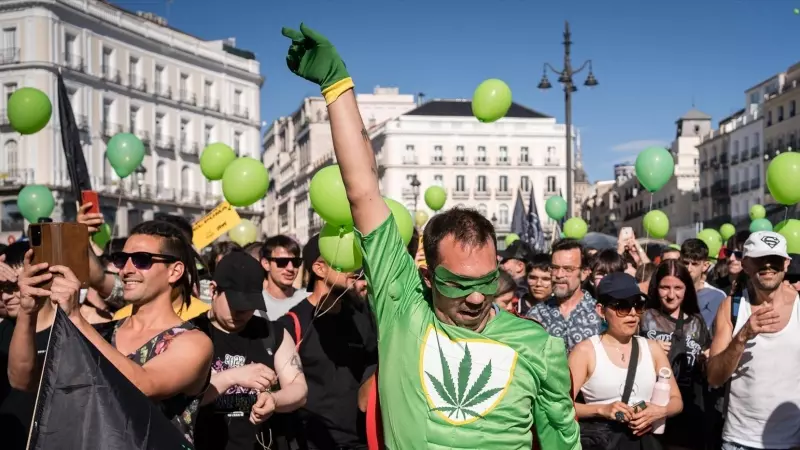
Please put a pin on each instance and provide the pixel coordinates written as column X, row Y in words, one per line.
column 16, row 407
column 339, row 351
column 225, row 424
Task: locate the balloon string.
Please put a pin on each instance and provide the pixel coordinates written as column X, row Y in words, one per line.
column 785, row 213
column 115, row 229
column 646, row 231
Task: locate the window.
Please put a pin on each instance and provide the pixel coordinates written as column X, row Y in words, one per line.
column 438, row 180
column 12, row 157
column 524, row 155
column 481, row 154
column 237, row 101
column 460, row 153
column 754, row 99
column 184, row 86
column 746, row 144
column 769, row 118
column 159, row 127
column 237, row 140
column 207, row 133
column 10, row 41
column 792, row 108
column 133, row 71
column 108, row 61
column 502, row 214
column 437, row 153
column 482, row 210
column 480, row 184
column 134, row 119
column 410, row 157
column 161, row 174
column 69, row 48
column 503, row 183
column 525, row 183
column 460, row 183
column 107, row 110
column 184, row 131
column 186, row 179
column 503, row 158
column 756, row 139
column 159, row 81
column 735, row 148
column 551, row 156
column 10, row 89
column 780, row 113
column 551, row 184
column 208, row 87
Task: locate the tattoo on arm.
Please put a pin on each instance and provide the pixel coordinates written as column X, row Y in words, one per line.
column 365, row 134
column 295, row 362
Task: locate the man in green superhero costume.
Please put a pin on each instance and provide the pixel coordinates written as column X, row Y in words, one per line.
column 456, row 372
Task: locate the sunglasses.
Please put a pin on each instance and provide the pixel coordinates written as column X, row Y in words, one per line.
column 283, row 262
column 727, row 253
column 623, row 308
column 140, row 260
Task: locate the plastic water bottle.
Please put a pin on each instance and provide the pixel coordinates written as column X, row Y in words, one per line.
column 660, row 397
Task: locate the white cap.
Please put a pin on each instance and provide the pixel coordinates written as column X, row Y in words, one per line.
column 765, row 243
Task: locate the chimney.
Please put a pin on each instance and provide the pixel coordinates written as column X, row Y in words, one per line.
column 420, row 98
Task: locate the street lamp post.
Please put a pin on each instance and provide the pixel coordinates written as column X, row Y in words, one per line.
column 140, row 173
column 565, row 78
column 415, row 191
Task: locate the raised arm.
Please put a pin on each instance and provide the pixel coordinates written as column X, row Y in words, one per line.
column 313, row 57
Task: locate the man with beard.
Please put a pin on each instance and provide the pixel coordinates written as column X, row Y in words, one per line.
column 570, row 313
column 338, row 347
column 280, row 258
column 758, row 340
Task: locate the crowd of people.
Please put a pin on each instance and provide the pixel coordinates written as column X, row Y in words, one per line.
column 268, row 346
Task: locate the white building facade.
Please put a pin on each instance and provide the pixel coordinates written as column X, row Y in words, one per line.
column 125, row 72
column 746, row 183
column 480, row 165
column 297, row 146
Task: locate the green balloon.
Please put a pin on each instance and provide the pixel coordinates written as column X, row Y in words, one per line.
column 556, row 207
column 713, row 241
column 491, row 100
column 435, row 197
column 125, row 153
column 790, row 229
column 329, row 198
column 727, row 231
column 29, row 110
column 511, row 238
column 420, row 218
column 339, row 247
column 757, row 212
column 654, row 168
column 405, row 224
column 102, row 236
column 760, row 225
column 656, row 223
column 35, row 201
column 245, row 232
column 782, row 175
column 245, row 181
column 215, row 159
column 575, row 228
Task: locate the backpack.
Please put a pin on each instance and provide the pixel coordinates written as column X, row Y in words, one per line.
column 298, row 330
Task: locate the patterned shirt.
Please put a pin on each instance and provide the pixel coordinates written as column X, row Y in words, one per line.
column 582, row 323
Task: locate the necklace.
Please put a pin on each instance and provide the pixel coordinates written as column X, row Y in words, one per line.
column 621, row 351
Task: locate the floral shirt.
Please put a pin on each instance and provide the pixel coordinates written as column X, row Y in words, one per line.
column 180, row 409
column 582, row 323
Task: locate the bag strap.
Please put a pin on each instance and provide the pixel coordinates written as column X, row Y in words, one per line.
column 634, row 363
column 677, row 338
column 298, row 331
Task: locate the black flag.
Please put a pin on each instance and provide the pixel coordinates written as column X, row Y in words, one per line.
column 85, row 403
column 71, row 141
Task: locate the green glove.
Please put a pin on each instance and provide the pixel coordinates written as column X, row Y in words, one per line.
column 313, row 57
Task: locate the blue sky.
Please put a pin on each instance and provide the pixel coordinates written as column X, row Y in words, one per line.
column 652, row 59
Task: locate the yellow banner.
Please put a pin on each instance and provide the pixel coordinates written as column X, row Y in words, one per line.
column 214, row 224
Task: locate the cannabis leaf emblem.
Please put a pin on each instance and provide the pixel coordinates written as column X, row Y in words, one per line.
column 461, row 398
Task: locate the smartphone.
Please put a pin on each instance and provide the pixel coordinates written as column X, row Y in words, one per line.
column 61, row 244
column 93, row 198
column 625, row 234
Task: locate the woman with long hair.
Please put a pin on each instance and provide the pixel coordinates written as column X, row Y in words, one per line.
column 601, row 264
column 617, row 413
column 673, row 320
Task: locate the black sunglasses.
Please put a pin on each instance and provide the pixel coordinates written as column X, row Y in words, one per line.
column 140, row 260
column 283, row 262
column 727, row 252
column 623, row 307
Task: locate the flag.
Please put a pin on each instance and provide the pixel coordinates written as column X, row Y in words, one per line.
column 85, row 403
column 526, row 224
column 71, row 142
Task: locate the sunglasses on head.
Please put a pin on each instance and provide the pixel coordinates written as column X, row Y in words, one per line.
column 140, row 260
column 623, row 307
column 728, row 252
column 283, row 262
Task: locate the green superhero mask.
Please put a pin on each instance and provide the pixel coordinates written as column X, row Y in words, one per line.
column 457, row 286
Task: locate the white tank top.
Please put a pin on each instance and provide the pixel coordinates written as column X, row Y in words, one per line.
column 764, row 402
column 607, row 382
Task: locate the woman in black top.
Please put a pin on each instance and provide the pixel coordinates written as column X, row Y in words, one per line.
column 673, row 319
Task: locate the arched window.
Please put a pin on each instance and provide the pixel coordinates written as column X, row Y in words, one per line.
column 186, row 180
column 162, row 180
column 482, row 209
column 109, row 176
column 502, row 214
column 12, row 157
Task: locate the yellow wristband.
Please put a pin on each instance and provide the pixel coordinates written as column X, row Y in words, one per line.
column 336, row 89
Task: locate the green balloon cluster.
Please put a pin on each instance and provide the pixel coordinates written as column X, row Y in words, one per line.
column 435, row 197
column 245, row 181
column 656, row 223
column 575, row 228
column 760, row 225
column 329, row 198
column 654, row 168
column 790, row 229
column 339, row 247
column 216, row 157
column 556, row 207
column 491, row 100
column 713, row 241
column 782, row 175
column 420, row 218
column 727, row 231
column 125, row 153
column 35, row 201
column 757, row 212
column 29, row 110
column 244, row 233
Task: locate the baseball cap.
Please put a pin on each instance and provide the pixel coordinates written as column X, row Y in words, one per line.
column 618, row 286
column 241, row 278
column 765, row 243
column 310, row 256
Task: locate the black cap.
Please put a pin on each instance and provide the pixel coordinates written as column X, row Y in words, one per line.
column 241, row 278
column 310, row 256
column 618, row 286
column 517, row 250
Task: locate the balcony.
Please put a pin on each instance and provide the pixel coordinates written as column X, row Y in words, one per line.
column 549, row 161
column 755, row 152
column 503, row 161
column 164, row 143
column 162, row 91
column 744, row 186
column 734, row 160
column 16, row 178
column 82, row 121
column 190, row 149
column 755, row 183
column 211, row 104
column 74, row 62
column 187, row 97
column 437, row 160
column 136, row 82
column 109, row 129
column 734, row 189
column 723, row 159
column 745, row 156
column 165, row 193
column 238, row 111
column 524, row 161
column 9, row 56
column 460, row 194
column 144, row 136
column 481, row 161
column 111, row 74
column 503, row 194
column 410, row 159
column 482, row 194
column 460, row 161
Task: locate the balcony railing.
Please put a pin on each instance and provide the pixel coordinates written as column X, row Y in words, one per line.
column 461, row 194
column 755, row 152
column 9, row 56
column 437, row 160
column 238, row 111
column 164, row 142
column 111, row 74
column 74, row 62
column 162, row 91
column 503, row 161
column 188, row 97
column 14, row 177
column 526, row 161
column 211, row 104
column 109, row 129
column 551, row 161
column 745, row 156
column 137, row 82
column 481, row 161
column 460, row 161
column 755, row 183
column 482, row 193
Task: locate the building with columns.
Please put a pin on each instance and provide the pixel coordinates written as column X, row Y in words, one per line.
column 125, row 72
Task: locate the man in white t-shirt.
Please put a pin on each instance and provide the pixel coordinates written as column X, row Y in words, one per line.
column 757, row 347
column 280, row 258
